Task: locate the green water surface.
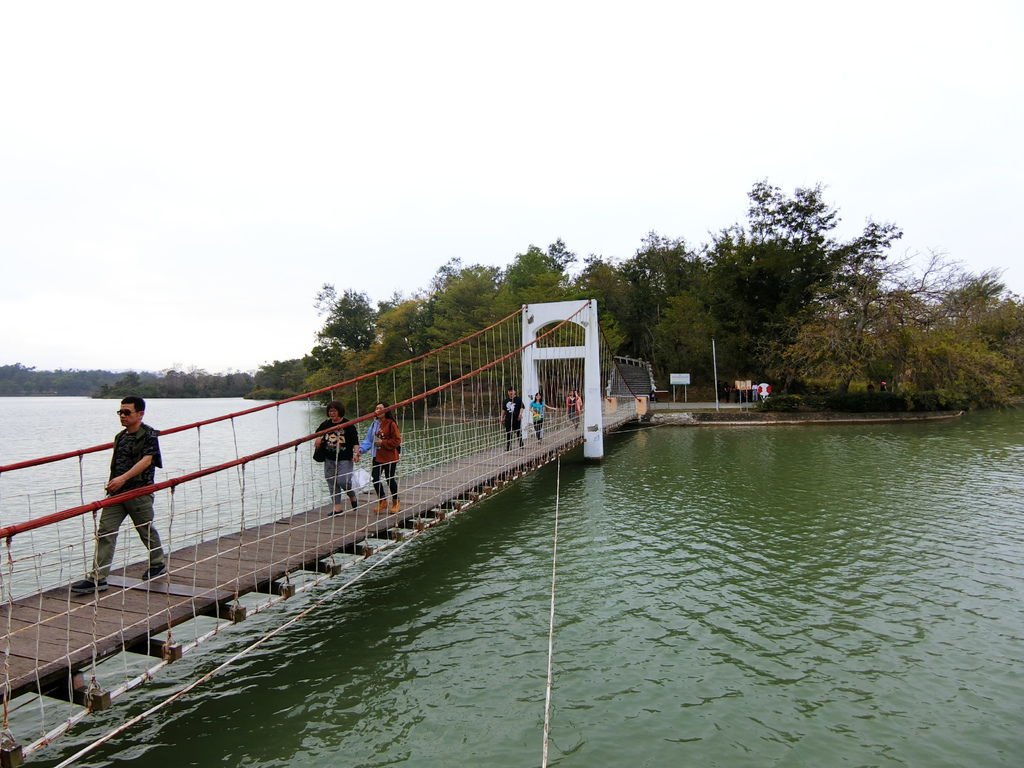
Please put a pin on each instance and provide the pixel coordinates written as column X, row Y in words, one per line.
column 767, row 596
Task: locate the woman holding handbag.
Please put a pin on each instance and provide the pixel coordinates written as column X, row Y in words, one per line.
column 338, row 450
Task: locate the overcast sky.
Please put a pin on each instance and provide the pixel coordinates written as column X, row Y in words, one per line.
column 178, row 180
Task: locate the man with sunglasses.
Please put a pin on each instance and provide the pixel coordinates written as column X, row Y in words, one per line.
column 133, row 465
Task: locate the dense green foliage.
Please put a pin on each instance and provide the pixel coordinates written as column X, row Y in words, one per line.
column 279, row 379
column 867, row 402
column 784, row 299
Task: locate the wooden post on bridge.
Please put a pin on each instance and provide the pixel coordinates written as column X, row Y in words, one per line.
column 535, row 318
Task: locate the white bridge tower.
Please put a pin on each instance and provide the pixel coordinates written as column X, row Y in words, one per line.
column 537, row 317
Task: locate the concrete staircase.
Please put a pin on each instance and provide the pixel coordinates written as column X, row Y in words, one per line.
column 630, row 377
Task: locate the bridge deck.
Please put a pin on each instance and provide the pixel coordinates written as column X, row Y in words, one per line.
column 56, row 633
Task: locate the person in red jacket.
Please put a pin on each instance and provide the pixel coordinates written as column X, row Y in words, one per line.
column 383, row 441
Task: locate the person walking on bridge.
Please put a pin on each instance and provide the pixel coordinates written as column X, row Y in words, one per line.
column 383, row 442
column 512, row 417
column 537, row 408
column 574, row 404
column 133, row 465
column 340, row 449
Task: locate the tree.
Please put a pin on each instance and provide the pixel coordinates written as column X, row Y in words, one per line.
column 281, row 378
column 660, row 269
column 768, row 280
column 603, row 281
column 537, row 276
column 841, row 334
column 971, row 346
column 682, row 339
column 560, row 257
column 351, row 320
column 403, row 333
column 462, row 300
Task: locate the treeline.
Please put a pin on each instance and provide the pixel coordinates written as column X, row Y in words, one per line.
column 785, row 300
column 20, row 380
column 197, row 383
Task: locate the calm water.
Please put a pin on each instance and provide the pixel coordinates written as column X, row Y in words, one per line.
column 726, row 597
column 39, row 426
column 31, row 427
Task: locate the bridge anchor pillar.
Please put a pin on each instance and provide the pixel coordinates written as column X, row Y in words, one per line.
column 10, row 752
column 91, row 696
column 235, row 612
column 284, row 588
column 171, row 652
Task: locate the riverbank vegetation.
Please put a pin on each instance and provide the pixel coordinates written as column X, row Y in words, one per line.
column 785, row 299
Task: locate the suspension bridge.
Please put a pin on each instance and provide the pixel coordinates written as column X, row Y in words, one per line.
column 244, row 532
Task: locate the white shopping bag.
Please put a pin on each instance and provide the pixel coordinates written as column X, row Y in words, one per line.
column 360, row 479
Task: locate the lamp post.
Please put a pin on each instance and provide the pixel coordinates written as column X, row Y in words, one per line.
column 714, row 366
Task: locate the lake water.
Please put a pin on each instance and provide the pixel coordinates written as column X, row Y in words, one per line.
column 32, row 427
column 791, row 596
column 39, row 426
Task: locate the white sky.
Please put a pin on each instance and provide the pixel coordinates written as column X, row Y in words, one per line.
column 178, row 180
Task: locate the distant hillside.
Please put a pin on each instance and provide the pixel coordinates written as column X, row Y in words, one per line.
column 178, row 384
column 19, row 380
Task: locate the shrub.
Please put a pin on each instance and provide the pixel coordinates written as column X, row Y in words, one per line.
column 783, row 403
column 866, row 402
column 937, row 401
column 790, row 403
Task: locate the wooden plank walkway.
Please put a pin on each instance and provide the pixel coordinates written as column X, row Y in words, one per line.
column 55, row 634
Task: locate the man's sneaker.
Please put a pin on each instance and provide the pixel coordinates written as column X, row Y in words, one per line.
column 88, row 586
column 153, row 571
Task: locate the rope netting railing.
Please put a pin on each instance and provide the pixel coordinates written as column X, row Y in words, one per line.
column 241, row 504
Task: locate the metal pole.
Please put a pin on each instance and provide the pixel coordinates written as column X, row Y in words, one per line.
column 714, row 365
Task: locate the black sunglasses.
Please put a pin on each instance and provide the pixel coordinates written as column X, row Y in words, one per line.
column 124, row 412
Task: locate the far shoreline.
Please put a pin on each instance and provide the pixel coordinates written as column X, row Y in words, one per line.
column 746, row 415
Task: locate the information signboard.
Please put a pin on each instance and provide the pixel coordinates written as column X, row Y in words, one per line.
column 679, row 380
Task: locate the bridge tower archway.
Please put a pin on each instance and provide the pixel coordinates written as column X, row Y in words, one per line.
column 535, row 317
